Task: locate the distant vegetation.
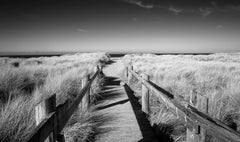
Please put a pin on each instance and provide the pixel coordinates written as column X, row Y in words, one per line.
column 26, row 82
column 215, row 76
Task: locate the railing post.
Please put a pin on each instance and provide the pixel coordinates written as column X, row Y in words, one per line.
column 193, row 98
column 61, row 110
column 145, row 95
column 86, row 98
column 193, row 130
column 129, row 74
column 205, row 110
column 42, row 110
column 126, row 71
column 99, row 67
column 61, row 138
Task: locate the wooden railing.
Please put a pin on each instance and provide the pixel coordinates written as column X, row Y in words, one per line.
column 51, row 119
column 198, row 123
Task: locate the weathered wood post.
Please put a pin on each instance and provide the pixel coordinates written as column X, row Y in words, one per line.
column 61, row 138
column 145, row 95
column 42, row 110
column 129, row 74
column 190, row 133
column 220, row 106
column 86, row 98
column 99, row 67
column 193, row 130
column 205, row 110
column 193, row 98
column 62, row 109
column 206, row 102
column 126, row 71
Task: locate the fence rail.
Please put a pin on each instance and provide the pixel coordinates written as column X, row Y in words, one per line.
column 51, row 119
column 198, row 123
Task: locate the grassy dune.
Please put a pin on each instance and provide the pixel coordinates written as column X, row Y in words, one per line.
column 215, row 76
column 26, row 82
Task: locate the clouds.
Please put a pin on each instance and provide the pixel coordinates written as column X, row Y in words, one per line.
column 176, row 11
column 140, row 4
column 82, row 30
column 148, row 6
column 204, row 12
column 219, row 26
column 198, row 7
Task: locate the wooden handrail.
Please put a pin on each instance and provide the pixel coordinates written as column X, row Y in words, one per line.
column 55, row 121
column 189, row 113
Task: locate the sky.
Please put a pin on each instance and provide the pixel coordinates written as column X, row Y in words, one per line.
column 161, row 26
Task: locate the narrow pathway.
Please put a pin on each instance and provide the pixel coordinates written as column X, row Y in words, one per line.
column 126, row 122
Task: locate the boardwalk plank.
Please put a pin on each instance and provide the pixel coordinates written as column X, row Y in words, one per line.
column 128, row 123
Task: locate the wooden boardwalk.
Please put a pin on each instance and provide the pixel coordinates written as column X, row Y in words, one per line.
column 126, row 122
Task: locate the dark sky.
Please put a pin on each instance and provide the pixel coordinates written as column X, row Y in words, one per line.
column 120, row 25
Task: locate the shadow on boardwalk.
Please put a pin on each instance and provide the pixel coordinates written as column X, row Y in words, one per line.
column 145, row 127
column 108, row 97
column 109, row 90
column 144, row 123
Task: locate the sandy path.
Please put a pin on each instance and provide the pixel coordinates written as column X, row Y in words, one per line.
column 116, row 69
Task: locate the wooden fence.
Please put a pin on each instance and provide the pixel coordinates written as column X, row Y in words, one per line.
column 51, row 119
column 198, row 123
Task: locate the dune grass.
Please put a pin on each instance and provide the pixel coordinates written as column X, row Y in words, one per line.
column 24, row 85
column 215, row 76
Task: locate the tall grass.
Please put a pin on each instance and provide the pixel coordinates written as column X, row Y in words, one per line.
column 16, row 119
column 35, row 79
column 215, row 76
